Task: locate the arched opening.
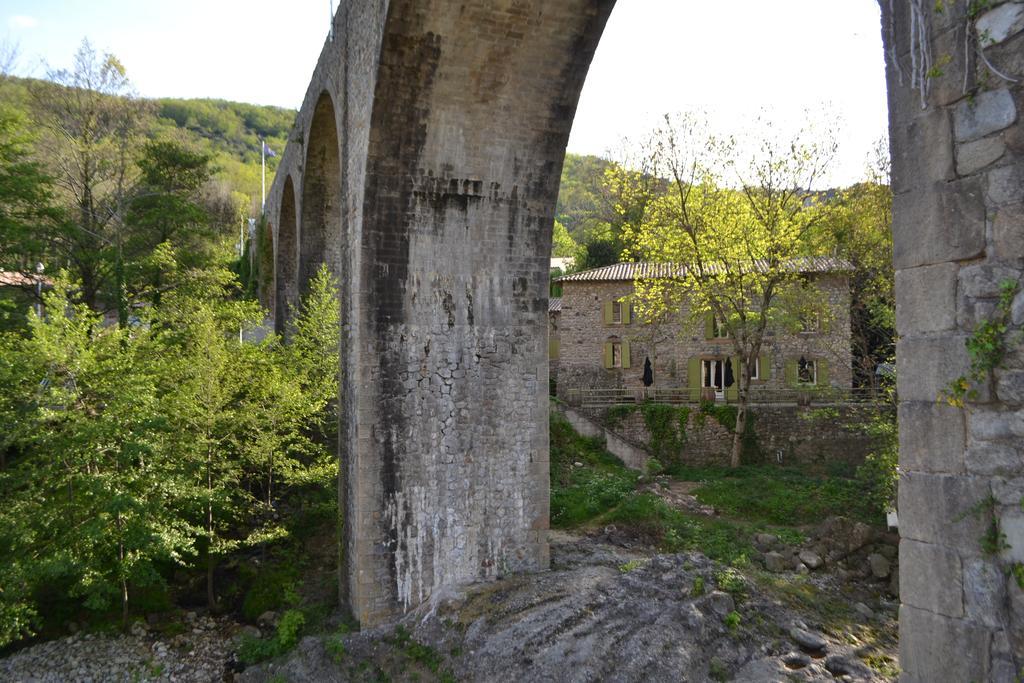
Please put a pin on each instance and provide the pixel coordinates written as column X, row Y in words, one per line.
column 285, row 258
column 320, row 229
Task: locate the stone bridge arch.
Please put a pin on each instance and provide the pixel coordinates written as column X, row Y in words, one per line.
column 452, row 125
column 320, row 238
column 285, row 255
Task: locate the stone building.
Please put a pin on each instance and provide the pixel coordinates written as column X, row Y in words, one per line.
column 598, row 343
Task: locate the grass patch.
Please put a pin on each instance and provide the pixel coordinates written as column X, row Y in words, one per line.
column 778, row 495
column 675, row 531
column 255, row 650
column 579, row 494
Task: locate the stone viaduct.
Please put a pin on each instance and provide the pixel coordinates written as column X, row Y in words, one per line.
column 423, row 168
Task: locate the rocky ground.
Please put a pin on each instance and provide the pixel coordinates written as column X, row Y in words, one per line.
column 611, row 610
column 202, row 650
column 613, row 614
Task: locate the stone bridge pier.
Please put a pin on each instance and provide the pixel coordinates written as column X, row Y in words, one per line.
column 423, row 169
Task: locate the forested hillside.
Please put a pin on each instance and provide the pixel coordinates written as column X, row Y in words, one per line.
column 229, row 131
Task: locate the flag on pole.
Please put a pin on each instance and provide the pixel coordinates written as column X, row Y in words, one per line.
column 266, row 149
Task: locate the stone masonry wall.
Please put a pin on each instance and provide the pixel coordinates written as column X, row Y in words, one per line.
column 786, row 435
column 958, row 176
column 583, row 333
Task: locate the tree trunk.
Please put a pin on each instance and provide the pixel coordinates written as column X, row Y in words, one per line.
column 211, row 562
column 741, row 414
column 211, row 565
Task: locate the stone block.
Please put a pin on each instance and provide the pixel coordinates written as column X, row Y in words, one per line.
column 937, row 508
column 931, row 578
column 1006, row 185
column 926, row 365
column 1010, row 386
column 984, row 591
column 926, row 298
column 937, row 648
column 972, row 157
column 988, row 424
column 921, row 149
column 1011, row 523
column 984, row 280
column 1008, row 232
column 994, row 459
column 932, row 437
column 988, row 112
column 996, row 25
column 938, row 223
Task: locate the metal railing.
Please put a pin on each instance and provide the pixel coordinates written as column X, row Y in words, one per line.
column 597, row 398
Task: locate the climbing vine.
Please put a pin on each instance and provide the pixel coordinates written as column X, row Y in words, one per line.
column 923, row 68
column 667, row 425
column 986, row 348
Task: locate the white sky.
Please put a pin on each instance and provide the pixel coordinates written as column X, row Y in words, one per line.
column 733, row 59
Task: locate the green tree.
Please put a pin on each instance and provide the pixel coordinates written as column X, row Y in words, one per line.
column 26, row 195
column 87, row 502
column 167, row 208
column 562, row 243
column 738, row 249
column 860, row 231
column 91, row 124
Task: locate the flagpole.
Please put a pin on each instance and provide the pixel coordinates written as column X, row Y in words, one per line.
column 263, row 166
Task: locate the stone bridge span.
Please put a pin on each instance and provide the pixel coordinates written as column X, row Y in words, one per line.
column 423, row 168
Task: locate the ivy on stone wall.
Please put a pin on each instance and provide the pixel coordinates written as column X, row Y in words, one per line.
column 667, row 425
column 986, row 348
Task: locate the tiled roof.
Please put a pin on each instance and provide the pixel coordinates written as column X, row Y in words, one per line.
column 555, row 305
column 10, row 278
column 646, row 269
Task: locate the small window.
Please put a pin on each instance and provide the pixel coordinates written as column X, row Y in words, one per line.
column 806, row 371
column 810, row 323
column 718, row 330
column 617, row 312
column 755, row 372
column 616, row 355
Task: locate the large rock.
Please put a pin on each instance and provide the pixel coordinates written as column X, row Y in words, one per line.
column 880, row 567
column 811, row 559
column 775, row 562
column 766, row 542
column 808, row 641
column 844, row 536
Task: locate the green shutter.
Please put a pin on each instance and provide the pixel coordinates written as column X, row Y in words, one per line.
column 625, row 354
column 627, row 312
column 608, row 355
column 693, row 378
column 821, row 366
column 709, row 325
column 553, row 348
column 607, row 312
column 733, row 393
column 766, row 367
column 792, row 373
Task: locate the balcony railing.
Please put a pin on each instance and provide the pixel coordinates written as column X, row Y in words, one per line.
column 597, row 398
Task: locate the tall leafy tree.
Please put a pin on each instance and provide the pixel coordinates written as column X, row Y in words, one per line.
column 167, row 207
column 91, row 123
column 736, row 231
column 860, row 230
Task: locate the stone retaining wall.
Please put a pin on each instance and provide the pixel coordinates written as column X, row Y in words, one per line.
column 785, row 434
